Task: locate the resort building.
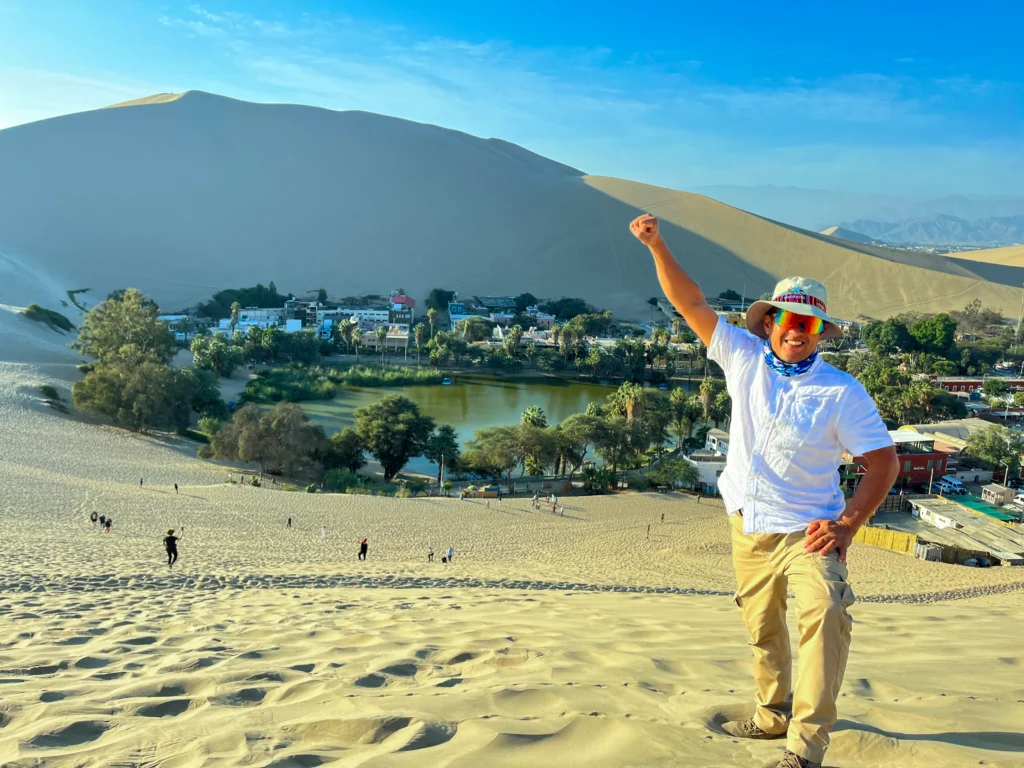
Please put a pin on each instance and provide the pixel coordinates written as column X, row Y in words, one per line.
column 920, row 461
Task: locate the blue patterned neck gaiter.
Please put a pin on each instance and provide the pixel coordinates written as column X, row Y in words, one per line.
column 783, row 368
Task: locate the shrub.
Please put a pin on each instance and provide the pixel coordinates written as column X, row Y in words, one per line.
column 288, row 487
column 404, row 493
column 311, row 488
column 210, row 426
column 191, row 434
column 256, row 483
column 205, row 451
column 54, row 320
column 49, row 392
column 339, row 480
column 415, row 485
column 356, row 490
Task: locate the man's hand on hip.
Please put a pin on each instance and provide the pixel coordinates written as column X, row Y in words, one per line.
column 826, row 536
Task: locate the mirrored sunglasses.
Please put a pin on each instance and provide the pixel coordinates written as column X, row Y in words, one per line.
column 791, row 321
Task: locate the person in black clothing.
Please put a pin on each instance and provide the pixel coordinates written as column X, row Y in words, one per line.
column 103, row 522
column 171, row 545
column 110, row 522
column 175, row 487
column 364, row 546
column 94, row 517
column 289, row 522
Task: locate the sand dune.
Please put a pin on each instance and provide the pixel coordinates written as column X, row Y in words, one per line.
column 573, row 641
column 183, row 195
column 1010, row 256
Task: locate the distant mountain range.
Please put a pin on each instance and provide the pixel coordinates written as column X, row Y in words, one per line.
column 815, row 209
column 941, row 229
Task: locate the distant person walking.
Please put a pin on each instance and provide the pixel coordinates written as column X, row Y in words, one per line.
column 536, row 500
column 94, row 518
column 698, row 498
column 110, row 522
column 663, row 517
column 140, row 482
column 648, row 530
column 171, row 545
column 430, row 554
column 323, row 533
column 364, row 547
column 175, row 488
column 289, row 523
column 103, row 522
column 451, row 554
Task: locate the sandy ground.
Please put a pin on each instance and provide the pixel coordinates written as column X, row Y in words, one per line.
column 572, row 641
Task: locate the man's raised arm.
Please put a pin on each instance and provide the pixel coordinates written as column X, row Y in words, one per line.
column 684, row 294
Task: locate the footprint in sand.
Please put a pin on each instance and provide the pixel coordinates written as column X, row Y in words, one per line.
column 72, row 735
column 170, row 708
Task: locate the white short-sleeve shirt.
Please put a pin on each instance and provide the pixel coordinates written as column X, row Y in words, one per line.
column 787, row 435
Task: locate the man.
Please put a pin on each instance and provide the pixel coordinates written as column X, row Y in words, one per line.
column 792, row 416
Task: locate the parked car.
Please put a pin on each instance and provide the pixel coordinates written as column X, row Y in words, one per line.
column 950, row 486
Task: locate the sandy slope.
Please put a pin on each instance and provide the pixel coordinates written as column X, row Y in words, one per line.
column 570, row 641
column 1010, row 256
column 183, row 195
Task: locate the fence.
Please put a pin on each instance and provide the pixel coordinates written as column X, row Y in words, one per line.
column 897, row 541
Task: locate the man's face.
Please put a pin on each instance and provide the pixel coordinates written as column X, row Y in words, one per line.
column 791, row 345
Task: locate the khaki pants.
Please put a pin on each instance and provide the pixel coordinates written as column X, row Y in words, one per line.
column 767, row 567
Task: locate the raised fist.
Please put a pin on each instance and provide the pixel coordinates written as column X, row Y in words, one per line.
column 645, row 228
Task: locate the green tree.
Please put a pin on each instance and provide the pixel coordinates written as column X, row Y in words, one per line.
column 393, row 431
column 321, row 295
column 139, row 396
column 708, row 394
column 935, row 335
column 256, row 296
column 577, row 433
column 629, row 400
column 443, row 445
column 524, row 300
column 212, row 353
column 124, row 328
column 382, row 337
column 730, row 295
column 673, row 473
column 438, row 300
column 686, row 410
column 997, row 445
column 1018, row 399
column 657, row 417
column 346, row 451
column 497, row 448
column 888, row 337
column 206, row 399
column 419, row 332
column 432, row 320
column 534, row 416
column 994, row 388
column 357, row 338
column 475, row 328
column 512, row 339
column 280, row 441
column 567, row 308
column 945, row 368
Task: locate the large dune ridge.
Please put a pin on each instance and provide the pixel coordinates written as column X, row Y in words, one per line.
column 182, row 195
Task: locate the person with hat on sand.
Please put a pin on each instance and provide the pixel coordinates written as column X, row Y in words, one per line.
column 793, row 415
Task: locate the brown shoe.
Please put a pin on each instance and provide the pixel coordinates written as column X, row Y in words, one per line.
column 793, row 760
column 748, row 729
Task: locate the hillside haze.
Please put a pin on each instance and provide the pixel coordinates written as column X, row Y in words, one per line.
column 182, row 196
column 943, row 229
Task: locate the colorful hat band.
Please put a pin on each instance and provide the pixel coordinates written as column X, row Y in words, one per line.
column 801, row 298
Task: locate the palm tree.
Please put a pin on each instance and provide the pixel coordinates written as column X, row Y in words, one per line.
column 382, row 337
column 432, row 319
column 235, row 309
column 708, row 392
column 419, row 332
column 534, row 416
column 345, row 329
column 677, row 325
column 630, row 400
column 357, row 336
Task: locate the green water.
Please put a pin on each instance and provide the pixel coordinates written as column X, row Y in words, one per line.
column 469, row 403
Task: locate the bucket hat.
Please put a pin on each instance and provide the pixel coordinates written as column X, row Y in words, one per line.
column 799, row 295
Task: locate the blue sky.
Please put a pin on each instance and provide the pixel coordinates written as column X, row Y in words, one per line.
column 906, row 98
